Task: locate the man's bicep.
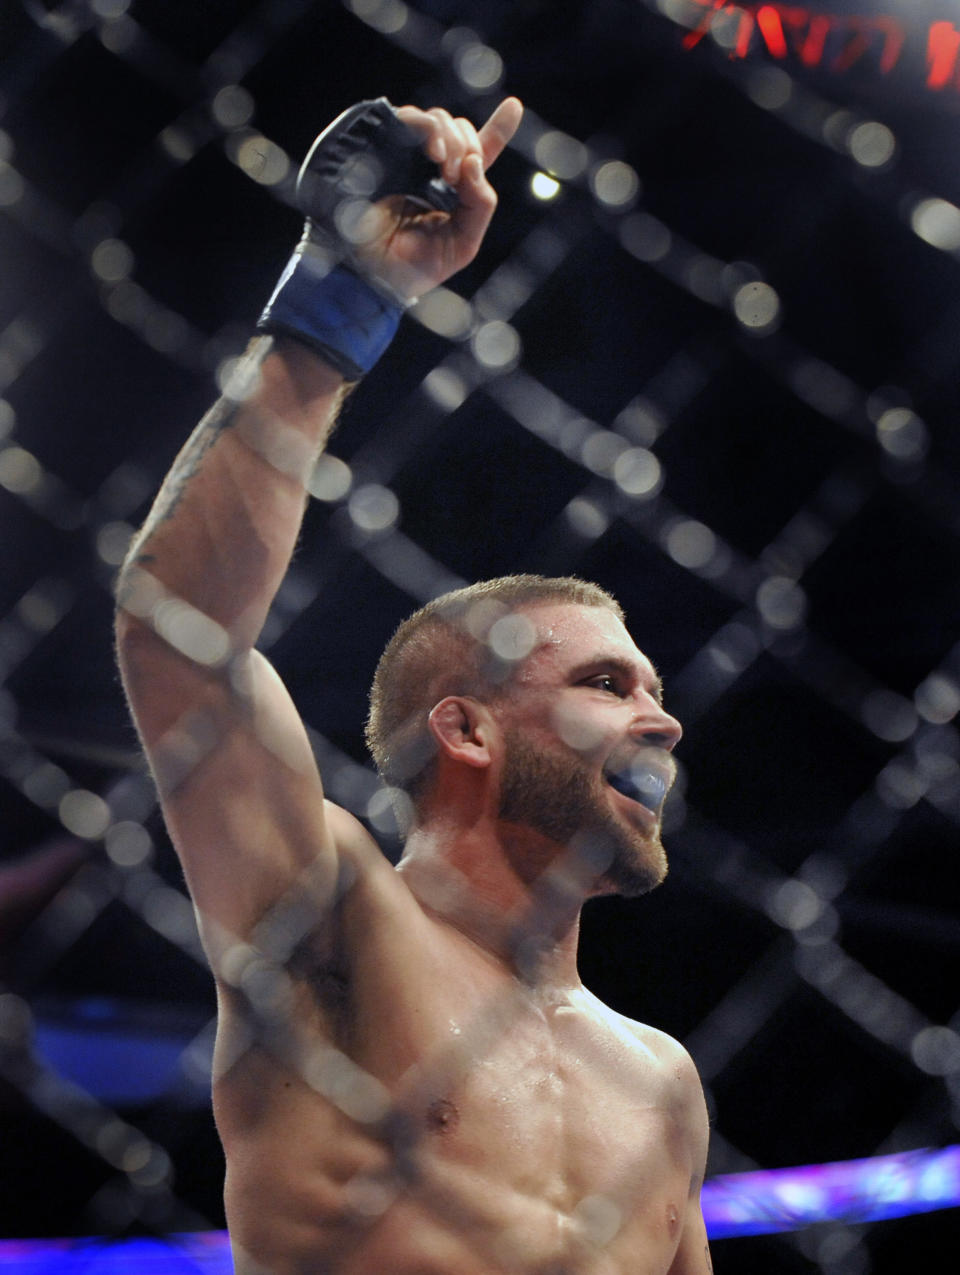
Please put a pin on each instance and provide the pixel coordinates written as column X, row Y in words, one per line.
column 240, row 791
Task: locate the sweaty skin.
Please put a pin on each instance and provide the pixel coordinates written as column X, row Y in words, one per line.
column 409, row 1077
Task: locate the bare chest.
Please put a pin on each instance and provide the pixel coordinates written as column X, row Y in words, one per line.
column 541, row 1123
column 554, row 1098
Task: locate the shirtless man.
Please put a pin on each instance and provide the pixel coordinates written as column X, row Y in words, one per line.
column 410, row 1078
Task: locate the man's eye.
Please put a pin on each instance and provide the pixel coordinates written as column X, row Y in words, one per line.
column 605, row 683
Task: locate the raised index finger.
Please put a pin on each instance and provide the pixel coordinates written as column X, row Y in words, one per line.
column 500, row 128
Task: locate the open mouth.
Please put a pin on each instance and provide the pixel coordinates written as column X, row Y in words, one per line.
column 640, row 784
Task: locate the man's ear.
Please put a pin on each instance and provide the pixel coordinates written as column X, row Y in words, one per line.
column 462, row 728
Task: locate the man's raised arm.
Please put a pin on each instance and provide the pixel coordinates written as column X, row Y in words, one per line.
column 238, row 783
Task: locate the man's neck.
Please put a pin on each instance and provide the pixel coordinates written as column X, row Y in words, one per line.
column 470, row 882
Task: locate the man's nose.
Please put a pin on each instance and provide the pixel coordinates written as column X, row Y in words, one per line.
column 653, row 725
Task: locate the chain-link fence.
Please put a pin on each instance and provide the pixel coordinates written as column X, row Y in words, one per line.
column 707, row 358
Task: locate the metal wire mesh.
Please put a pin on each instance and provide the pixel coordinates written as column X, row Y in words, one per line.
column 706, row 358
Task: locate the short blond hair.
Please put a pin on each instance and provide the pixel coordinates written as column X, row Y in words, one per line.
column 442, row 650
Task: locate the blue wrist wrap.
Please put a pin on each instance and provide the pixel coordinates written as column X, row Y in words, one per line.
column 332, row 309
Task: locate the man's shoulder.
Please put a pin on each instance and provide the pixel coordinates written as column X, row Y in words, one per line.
column 662, row 1049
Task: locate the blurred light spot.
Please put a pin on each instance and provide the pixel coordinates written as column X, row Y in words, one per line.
column 586, row 518
column 111, row 1139
column 690, row 543
column 837, row 127
column 936, row 1050
column 128, row 844
column 482, row 616
column 128, row 303
column 615, row 184
column 119, row 34
column 154, row 1170
column 385, row 16
column 900, row 786
column 725, row 28
column 445, row 313
column 177, row 143
column 479, row 67
column 11, row 186
column 889, row 716
column 84, row 814
column 237, row 377
column 8, row 418
column 513, row 637
column 781, row 602
column 232, row 107
column 823, row 929
column 544, row 186
column 937, row 222
column 704, row 278
column 902, row 434
column 338, row 1078
column 600, row 1219
column 637, row 472
column 171, row 914
column 770, row 87
column 268, row 987
column 938, row 699
column 390, row 811
column 794, row 905
column 368, row 1196
column 576, row 730
column 561, row 154
column 6, row 147
column 734, row 648
column 192, row 633
column 825, row 874
column 111, row 260
column 331, row 478
column 496, row 345
column 113, row 541
column 757, row 307
column 447, row 389
column 262, row 160
column 600, row 451
column 572, row 435
column 41, row 608
column 645, row 237
column 374, row 508
column 872, row 144
column 135, row 1155
column 166, row 332
column 16, row 1021
column 20, row 472
column 109, row 8
column 642, row 421
column 47, row 785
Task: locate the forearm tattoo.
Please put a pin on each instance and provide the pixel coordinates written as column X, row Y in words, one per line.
column 220, row 418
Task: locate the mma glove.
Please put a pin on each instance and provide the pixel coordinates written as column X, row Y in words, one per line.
column 327, row 296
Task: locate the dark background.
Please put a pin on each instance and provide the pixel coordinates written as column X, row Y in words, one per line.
column 793, row 571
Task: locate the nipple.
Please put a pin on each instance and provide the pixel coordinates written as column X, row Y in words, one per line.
column 442, row 1116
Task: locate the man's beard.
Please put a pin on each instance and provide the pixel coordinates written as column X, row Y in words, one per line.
column 555, row 795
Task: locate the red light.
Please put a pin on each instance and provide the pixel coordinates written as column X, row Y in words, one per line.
column 811, row 51
column 771, row 28
column 793, row 30
column 942, row 49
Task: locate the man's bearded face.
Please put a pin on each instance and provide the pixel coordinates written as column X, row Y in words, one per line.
column 559, row 795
